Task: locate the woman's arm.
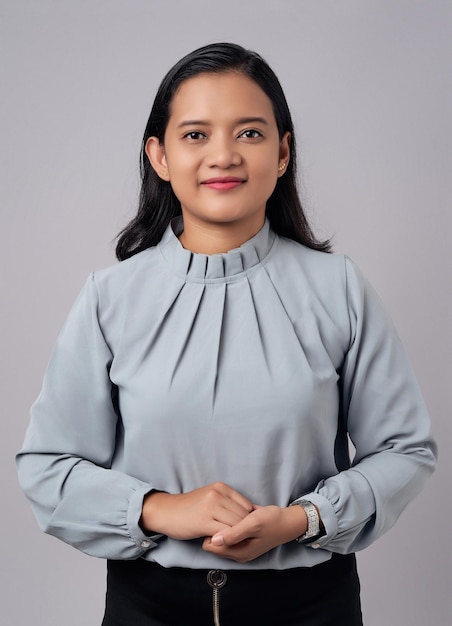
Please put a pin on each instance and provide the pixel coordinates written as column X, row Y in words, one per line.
column 388, row 423
column 385, row 416
column 198, row 513
column 265, row 528
column 64, row 464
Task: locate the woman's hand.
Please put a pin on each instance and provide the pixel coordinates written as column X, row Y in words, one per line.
column 263, row 529
column 200, row 513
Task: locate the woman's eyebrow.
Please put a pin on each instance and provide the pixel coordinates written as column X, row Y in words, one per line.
column 193, row 123
column 242, row 120
column 252, row 120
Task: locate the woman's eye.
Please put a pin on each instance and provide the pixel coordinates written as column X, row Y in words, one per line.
column 251, row 134
column 194, row 135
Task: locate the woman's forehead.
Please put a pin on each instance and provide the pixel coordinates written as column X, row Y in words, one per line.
column 226, row 94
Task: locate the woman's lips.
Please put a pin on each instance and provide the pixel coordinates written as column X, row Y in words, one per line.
column 224, row 183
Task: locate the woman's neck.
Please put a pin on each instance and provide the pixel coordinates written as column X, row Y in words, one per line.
column 217, row 238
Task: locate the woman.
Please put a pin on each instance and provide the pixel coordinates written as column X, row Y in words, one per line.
column 210, row 381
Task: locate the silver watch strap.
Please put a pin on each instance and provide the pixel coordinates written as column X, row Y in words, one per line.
column 312, row 515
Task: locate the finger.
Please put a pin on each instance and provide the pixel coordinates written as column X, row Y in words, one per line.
column 229, row 517
column 219, row 504
column 237, row 506
column 236, row 497
column 224, row 550
column 241, row 553
column 213, row 528
column 244, row 529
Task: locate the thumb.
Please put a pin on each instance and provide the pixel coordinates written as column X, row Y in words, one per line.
column 235, row 534
column 217, row 540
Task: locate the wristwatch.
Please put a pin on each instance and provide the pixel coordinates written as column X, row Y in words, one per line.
column 313, row 531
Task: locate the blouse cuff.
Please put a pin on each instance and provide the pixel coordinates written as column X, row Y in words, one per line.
column 328, row 517
column 145, row 542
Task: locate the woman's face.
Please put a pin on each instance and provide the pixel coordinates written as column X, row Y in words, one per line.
column 221, row 151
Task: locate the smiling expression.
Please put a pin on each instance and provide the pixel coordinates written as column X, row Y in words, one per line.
column 221, row 151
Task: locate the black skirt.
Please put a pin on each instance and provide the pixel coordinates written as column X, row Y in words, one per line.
column 140, row 593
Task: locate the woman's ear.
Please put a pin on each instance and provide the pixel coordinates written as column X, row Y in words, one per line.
column 155, row 151
column 284, row 153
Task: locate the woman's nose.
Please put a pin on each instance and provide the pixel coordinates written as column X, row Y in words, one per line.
column 223, row 153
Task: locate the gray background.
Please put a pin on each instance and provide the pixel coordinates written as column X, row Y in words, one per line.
column 367, row 82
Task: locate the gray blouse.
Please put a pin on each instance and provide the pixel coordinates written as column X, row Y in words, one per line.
column 253, row 367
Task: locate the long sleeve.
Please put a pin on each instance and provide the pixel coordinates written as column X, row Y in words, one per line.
column 64, row 465
column 175, row 370
column 387, row 421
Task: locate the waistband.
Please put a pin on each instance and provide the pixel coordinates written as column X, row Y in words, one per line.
column 146, row 594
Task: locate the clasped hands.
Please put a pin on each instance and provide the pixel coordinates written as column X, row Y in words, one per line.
column 231, row 525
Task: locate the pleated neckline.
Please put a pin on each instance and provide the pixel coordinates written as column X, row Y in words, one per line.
column 214, row 267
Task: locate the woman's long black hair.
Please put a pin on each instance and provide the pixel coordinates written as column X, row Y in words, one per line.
column 158, row 204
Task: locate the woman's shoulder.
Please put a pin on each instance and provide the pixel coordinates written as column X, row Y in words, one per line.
column 117, row 279
column 316, row 262
column 126, row 267
column 331, row 275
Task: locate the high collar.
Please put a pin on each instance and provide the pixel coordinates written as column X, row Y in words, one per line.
column 210, row 267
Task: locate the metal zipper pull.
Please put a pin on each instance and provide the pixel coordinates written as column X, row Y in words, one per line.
column 216, row 579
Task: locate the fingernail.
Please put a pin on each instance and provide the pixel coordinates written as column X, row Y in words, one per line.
column 217, row 540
